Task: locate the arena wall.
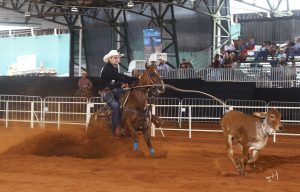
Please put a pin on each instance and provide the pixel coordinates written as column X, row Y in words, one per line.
column 66, row 86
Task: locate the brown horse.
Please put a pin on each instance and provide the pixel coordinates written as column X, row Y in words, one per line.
column 136, row 113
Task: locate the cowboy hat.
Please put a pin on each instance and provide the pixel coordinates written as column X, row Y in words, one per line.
column 111, row 54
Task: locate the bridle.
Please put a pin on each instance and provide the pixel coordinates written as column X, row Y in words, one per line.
column 154, row 83
column 146, row 88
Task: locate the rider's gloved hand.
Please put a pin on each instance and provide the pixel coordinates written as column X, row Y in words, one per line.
column 124, row 85
column 134, row 80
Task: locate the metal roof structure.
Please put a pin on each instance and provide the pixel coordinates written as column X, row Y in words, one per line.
column 68, row 14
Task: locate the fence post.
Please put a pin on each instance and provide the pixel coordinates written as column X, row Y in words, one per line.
column 190, row 121
column 152, row 125
column 274, row 137
column 88, row 114
column 6, row 115
column 31, row 114
column 58, row 116
column 43, row 111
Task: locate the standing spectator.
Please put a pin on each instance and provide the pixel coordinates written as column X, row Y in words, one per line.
column 162, row 66
column 293, row 74
column 250, row 41
column 240, row 44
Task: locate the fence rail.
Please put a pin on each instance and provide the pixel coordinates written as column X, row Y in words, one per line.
column 267, row 77
column 188, row 111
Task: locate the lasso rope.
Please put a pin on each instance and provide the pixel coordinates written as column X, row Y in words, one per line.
column 182, row 90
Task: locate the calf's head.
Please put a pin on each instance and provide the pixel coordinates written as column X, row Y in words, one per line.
column 272, row 119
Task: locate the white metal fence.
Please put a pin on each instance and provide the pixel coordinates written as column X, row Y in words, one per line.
column 188, row 111
column 65, row 110
column 19, row 108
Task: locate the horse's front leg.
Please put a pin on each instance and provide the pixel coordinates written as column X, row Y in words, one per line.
column 147, row 136
column 134, row 134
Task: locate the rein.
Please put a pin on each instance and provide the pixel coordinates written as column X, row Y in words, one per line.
column 181, row 90
column 142, row 86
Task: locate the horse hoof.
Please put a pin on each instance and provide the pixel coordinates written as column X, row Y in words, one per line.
column 135, row 146
column 152, row 152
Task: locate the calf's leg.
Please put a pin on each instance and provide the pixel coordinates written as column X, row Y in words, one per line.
column 253, row 159
column 244, row 159
column 228, row 139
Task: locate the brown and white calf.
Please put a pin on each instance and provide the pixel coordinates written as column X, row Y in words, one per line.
column 251, row 132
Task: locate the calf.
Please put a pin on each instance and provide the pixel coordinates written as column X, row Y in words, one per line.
column 251, row 132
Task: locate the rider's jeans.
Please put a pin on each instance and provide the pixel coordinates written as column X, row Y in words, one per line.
column 112, row 100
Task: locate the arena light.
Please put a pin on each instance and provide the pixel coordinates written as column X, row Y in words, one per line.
column 74, row 9
column 130, row 3
column 27, row 14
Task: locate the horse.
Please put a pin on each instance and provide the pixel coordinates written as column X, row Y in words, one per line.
column 84, row 92
column 136, row 113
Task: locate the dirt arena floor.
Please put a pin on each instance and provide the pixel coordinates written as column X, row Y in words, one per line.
column 71, row 160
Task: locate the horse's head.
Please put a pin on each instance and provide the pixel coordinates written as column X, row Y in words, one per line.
column 152, row 77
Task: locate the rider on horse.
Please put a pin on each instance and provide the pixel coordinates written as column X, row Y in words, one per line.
column 112, row 84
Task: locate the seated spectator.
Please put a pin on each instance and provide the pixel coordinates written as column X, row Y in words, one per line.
column 221, row 61
column 227, row 60
column 290, row 50
column 185, row 64
column 216, row 62
column 243, row 55
column 297, row 44
column 229, row 47
column 281, row 57
column 293, row 49
column 264, row 52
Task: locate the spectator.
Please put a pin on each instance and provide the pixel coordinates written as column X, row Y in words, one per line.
column 221, row 61
column 84, row 86
column 216, row 62
column 293, row 74
column 185, row 64
column 264, row 52
column 250, row 41
column 281, row 57
column 162, row 66
column 84, row 81
column 229, row 46
column 240, row 44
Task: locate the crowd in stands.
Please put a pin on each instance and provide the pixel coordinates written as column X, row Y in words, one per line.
column 236, row 52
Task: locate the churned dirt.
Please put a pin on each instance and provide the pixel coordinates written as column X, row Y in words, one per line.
column 71, row 160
